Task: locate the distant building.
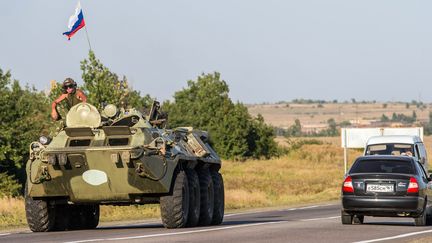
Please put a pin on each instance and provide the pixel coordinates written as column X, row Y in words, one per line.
column 363, row 122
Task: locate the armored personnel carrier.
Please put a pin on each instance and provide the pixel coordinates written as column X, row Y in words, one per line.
column 121, row 157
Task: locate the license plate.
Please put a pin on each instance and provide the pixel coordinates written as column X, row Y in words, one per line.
column 380, row 188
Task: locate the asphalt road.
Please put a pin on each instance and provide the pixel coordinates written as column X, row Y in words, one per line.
column 319, row 223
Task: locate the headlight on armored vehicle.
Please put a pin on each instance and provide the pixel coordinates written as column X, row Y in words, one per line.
column 35, row 146
column 44, row 140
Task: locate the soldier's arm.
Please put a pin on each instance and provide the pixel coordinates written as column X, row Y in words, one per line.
column 54, row 114
column 81, row 96
column 58, row 100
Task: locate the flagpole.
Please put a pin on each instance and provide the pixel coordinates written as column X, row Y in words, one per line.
column 88, row 39
column 85, row 27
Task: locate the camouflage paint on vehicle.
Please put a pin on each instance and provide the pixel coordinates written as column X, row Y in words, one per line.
column 118, row 157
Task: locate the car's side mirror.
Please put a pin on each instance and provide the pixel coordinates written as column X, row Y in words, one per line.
column 422, row 160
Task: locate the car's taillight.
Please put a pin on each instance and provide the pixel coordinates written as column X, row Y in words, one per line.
column 413, row 186
column 347, row 185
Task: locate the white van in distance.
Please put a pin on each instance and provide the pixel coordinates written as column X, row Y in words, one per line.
column 399, row 145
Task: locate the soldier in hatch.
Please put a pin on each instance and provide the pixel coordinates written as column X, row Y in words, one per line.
column 71, row 96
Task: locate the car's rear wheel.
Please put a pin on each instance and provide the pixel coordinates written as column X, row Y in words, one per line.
column 346, row 217
column 422, row 219
column 429, row 216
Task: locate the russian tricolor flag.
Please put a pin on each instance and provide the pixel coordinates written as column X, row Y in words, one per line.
column 76, row 22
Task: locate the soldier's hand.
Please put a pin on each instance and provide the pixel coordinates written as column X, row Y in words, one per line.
column 54, row 115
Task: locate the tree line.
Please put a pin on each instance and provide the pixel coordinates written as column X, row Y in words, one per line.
column 295, row 130
column 204, row 104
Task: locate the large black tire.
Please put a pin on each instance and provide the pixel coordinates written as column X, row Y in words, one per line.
column 194, row 198
column 421, row 220
column 90, row 215
column 346, row 218
column 40, row 215
column 82, row 216
column 175, row 207
column 207, row 197
column 219, row 198
column 62, row 217
column 428, row 216
column 75, row 217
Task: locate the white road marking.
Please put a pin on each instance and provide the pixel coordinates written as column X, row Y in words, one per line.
column 144, row 223
column 308, row 207
column 195, row 231
column 240, row 226
column 177, row 233
column 332, row 217
column 396, row 236
column 226, row 215
column 281, row 210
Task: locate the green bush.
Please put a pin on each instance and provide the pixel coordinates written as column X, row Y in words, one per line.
column 105, row 87
column 24, row 116
column 205, row 105
column 9, row 187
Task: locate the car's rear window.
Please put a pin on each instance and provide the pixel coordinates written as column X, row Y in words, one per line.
column 382, row 166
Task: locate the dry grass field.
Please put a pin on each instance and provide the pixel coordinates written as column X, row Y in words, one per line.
column 283, row 115
column 312, row 173
column 12, row 212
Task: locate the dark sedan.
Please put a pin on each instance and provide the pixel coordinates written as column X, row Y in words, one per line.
column 386, row 186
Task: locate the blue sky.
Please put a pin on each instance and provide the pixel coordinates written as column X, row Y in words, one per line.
column 267, row 51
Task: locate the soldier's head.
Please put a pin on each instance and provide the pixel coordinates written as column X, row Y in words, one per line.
column 69, row 86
